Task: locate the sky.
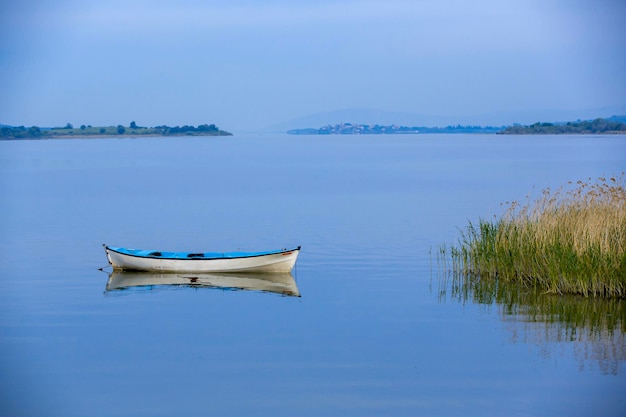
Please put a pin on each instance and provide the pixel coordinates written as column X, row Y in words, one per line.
column 249, row 64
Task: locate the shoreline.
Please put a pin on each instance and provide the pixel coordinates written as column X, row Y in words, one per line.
column 119, row 131
column 124, row 136
column 135, row 136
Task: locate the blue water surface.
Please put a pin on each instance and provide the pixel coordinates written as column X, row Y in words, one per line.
column 370, row 334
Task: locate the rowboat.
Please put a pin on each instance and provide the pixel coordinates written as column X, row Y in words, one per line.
column 281, row 283
column 281, row 260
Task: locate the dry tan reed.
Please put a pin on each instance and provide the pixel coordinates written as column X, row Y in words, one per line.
column 572, row 240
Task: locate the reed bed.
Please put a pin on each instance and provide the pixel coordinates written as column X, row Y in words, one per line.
column 572, row 240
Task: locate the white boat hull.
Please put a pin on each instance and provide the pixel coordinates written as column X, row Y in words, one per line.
column 275, row 262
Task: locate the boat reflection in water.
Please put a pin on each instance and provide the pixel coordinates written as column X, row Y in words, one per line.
column 279, row 283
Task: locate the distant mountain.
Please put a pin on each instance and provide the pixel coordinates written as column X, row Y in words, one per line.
column 611, row 125
column 362, row 116
column 618, row 119
column 360, row 129
column 367, row 116
column 549, row 115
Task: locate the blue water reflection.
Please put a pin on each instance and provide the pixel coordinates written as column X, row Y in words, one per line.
column 368, row 336
column 278, row 283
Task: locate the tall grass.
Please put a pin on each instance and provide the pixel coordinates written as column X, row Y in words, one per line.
column 572, row 240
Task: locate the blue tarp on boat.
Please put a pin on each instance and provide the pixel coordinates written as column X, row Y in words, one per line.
column 142, row 253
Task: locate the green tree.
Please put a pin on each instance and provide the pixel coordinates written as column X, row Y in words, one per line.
column 34, row 131
column 133, row 125
column 120, row 129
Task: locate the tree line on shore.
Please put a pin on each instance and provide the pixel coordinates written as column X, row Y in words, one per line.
column 363, row 129
column 614, row 124
column 35, row 132
column 611, row 125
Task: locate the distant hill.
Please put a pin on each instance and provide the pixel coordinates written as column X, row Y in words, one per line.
column 360, row 129
column 362, row 116
column 620, row 119
column 613, row 124
column 367, row 116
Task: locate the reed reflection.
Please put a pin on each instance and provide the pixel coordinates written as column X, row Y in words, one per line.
column 278, row 283
column 596, row 325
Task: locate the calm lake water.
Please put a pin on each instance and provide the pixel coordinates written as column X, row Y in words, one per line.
column 376, row 330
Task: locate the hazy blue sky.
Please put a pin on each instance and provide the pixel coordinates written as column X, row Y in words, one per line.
column 244, row 64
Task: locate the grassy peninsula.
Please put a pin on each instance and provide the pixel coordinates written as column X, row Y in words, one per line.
column 569, row 241
column 69, row 131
